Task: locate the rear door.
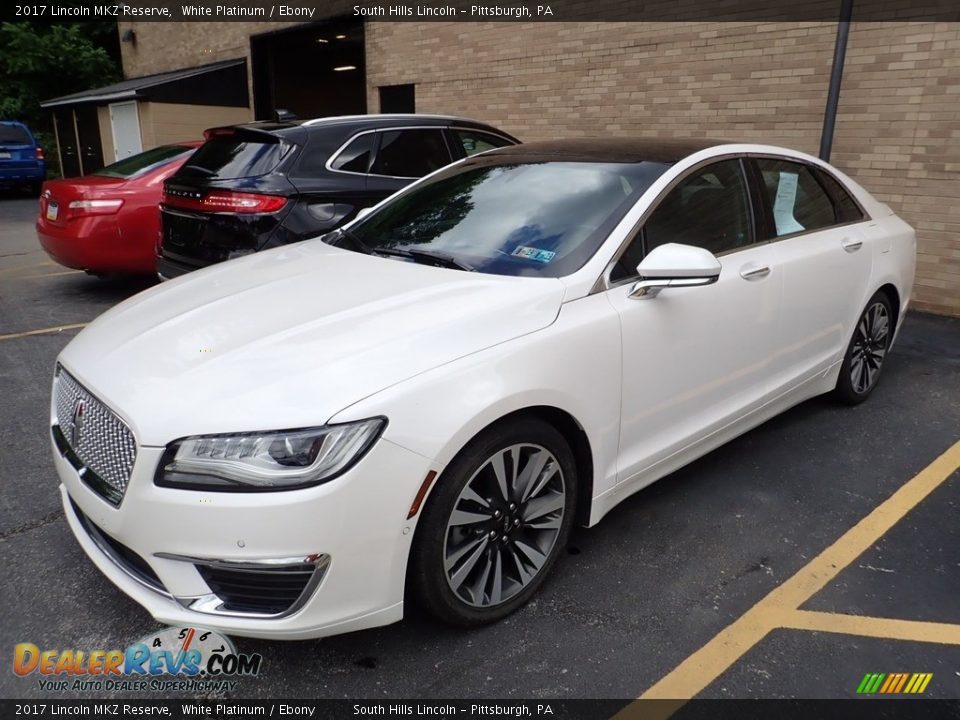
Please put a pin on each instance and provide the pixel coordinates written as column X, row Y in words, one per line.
column 826, row 265
column 331, row 178
column 404, row 155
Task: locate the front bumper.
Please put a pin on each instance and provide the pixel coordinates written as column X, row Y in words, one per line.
column 355, row 526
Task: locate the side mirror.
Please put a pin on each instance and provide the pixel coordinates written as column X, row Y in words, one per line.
column 675, row 265
column 363, row 212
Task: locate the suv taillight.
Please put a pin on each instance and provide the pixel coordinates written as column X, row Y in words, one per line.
column 226, row 201
column 39, row 153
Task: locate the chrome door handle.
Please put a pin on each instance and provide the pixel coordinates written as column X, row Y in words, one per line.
column 755, row 273
column 851, row 244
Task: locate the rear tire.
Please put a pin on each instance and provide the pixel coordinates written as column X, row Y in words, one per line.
column 867, row 351
column 495, row 524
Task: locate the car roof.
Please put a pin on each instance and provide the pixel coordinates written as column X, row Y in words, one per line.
column 361, row 122
column 622, row 149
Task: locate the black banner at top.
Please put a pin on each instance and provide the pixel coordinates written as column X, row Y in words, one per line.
column 483, row 11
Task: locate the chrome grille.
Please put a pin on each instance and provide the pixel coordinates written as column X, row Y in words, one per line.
column 99, row 439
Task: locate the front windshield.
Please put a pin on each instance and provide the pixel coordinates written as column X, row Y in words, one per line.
column 542, row 219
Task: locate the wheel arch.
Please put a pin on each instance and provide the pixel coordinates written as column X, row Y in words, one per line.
column 571, row 430
column 893, row 295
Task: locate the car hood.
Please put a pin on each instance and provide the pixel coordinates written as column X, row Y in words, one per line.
column 289, row 337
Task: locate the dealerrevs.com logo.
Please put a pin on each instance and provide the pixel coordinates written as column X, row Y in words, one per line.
column 174, row 659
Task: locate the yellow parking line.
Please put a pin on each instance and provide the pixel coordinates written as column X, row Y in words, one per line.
column 913, row 630
column 42, row 331
column 26, row 267
column 43, row 275
column 779, row 608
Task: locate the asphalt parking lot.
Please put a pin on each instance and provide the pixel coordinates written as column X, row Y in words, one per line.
column 819, row 547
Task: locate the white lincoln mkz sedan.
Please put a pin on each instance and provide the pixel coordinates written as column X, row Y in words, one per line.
column 418, row 407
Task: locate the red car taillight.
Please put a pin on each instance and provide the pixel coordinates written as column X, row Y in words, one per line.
column 79, row 208
column 39, row 153
column 226, row 201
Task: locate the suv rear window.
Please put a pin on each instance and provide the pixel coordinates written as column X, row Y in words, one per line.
column 232, row 156
column 14, row 135
column 143, row 162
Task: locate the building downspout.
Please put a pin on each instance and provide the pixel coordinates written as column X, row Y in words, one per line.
column 836, row 75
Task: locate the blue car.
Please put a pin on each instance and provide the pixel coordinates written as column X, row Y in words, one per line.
column 21, row 158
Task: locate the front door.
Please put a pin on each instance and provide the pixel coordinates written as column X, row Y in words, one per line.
column 696, row 359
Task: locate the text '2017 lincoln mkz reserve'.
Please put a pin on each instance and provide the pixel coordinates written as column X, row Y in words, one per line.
column 418, row 407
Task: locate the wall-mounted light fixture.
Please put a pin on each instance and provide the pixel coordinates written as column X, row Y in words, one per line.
column 129, row 36
column 343, row 68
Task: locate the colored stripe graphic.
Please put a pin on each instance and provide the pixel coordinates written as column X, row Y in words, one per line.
column 894, row 683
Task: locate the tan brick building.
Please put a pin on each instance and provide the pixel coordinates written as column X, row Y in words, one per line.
column 898, row 126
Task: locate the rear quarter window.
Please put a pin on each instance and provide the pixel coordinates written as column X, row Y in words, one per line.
column 847, row 208
column 229, row 157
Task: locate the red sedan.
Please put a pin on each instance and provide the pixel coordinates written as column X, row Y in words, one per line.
column 109, row 222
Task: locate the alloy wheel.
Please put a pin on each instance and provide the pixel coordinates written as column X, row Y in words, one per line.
column 869, row 347
column 504, row 525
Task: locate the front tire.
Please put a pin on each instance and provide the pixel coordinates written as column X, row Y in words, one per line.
column 493, row 527
column 867, row 351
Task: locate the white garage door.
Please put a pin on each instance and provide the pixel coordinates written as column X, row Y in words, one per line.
column 125, row 121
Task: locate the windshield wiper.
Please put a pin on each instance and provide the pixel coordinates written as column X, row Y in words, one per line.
column 429, row 257
column 422, row 257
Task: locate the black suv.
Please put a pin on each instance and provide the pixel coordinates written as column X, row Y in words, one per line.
column 264, row 184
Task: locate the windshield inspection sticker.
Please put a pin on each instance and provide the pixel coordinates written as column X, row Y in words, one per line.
column 784, row 203
column 535, row 254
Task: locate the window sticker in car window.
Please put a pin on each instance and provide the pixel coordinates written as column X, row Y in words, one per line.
column 535, row 254
column 784, row 203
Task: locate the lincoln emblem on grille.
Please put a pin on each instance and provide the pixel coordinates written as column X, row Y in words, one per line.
column 76, row 422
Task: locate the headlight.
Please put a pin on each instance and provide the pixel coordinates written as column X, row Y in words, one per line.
column 280, row 460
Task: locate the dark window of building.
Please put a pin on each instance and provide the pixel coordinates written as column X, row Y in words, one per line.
column 397, row 99
column 410, row 153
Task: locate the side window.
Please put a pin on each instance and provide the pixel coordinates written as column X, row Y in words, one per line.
column 847, row 208
column 797, row 201
column 709, row 209
column 475, row 141
column 410, row 153
column 355, row 157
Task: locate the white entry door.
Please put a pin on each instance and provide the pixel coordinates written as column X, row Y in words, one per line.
column 125, row 122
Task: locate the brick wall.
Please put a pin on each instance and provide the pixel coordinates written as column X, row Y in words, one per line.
column 898, row 129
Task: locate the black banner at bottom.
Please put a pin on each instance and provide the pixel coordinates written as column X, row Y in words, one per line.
column 858, row 709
